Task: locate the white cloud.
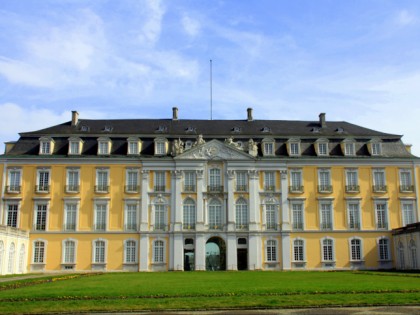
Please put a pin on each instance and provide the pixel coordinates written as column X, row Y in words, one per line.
column 151, row 29
column 404, row 18
column 191, row 26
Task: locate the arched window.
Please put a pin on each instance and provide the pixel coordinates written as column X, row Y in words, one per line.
column 327, row 249
column 401, row 255
column 69, row 254
column 189, row 214
column 356, row 249
column 299, row 250
column 241, row 214
column 22, row 256
column 271, row 251
column 130, row 250
column 39, row 252
column 215, row 214
column 11, row 265
column 383, row 249
column 413, row 252
column 158, row 251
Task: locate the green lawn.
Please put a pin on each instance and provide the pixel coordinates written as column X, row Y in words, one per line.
column 207, row 290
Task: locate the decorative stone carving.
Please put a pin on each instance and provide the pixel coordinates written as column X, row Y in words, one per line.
column 253, row 174
column 144, row 174
column 199, row 141
column 230, row 174
column 177, row 147
column 252, row 148
column 177, row 174
column 283, row 174
column 229, row 141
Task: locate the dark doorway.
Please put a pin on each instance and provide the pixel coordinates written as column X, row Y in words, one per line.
column 189, row 255
column 215, row 254
column 242, row 259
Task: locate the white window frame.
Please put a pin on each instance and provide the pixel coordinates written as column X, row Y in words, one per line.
column 406, row 180
column 352, row 180
column 133, row 146
column 349, row 147
column 159, row 181
column 160, row 214
column 215, row 179
column 241, row 213
column 322, row 144
column 303, row 246
column 271, row 250
column 351, row 252
column 44, row 254
column 268, row 147
column 126, row 253
column 332, row 260
column 190, row 181
column 293, row 146
column 379, row 184
column 64, row 252
column 189, row 214
column 46, row 146
column 215, row 214
column 381, row 225
column 380, row 249
column 300, row 225
column 159, row 258
column 47, row 205
column 161, row 146
column 72, row 187
column 132, row 180
column 241, row 181
column 357, row 218
column 15, row 203
column 99, row 188
column 323, row 225
column 14, row 186
column 94, row 258
column 269, row 180
column 296, row 181
column 96, row 224
column 44, row 188
column 128, row 211
column 375, row 148
column 72, row 203
column 75, row 146
column 104, row 146
column 324, row 184
column 271, row 210
column 404, row 218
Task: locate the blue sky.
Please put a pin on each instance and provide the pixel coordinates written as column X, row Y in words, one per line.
column 357, row 61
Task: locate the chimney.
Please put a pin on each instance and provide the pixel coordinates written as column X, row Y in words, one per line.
column 322, row 122
column 74, row 118
column 174, row 113
column 249, row 110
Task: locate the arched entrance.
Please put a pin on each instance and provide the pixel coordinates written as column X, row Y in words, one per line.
column 215, row 254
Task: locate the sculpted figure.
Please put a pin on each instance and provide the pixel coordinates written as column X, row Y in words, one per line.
column 199, row 140
column 252, row 148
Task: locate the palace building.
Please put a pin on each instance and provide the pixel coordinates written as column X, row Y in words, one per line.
column 175, row 194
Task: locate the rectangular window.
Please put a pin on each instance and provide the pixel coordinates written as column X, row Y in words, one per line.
column 323, row 148
column 103, row 147
column 158, row 252
column 215, row 180
column 14, row 181
column 131, row 217
column 73, row 178
column 69, row 252
column 296, row 181
column 269, row 181
column 298, row 250
column 356, row 249
column 132, row 181
column 100, row 217
column 70, row 216
column 160, row 181
column 130, row 252
column 383, row 248
column 133, row 147
column 349, row 149
column 376, row 149
column 381, row 215
column 326, row 216
column 102, row 180
column 99, row 254
column 43, row 181
column 189, row 181
column 406, row 184
column 268, row 148
column 408, row 214
column 294, row 148
column 352, row 180
column 270, row 217
column 74, row 147
column 297, row 216
column 327, row 250
column 12, row 214
column 40, row 217
column 39, row 252
column 271, row 251
column 45, row 147
column 160, row 148
column 241, row 181
column 324, row 178
column 353, row 216
column 379, row 184
column 160, row 222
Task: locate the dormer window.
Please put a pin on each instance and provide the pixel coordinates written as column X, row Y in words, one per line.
column 237, row 129
column 348, row 147
column 104, row 146
column 375, row 147
column 268, row 146
column 293, row 147
column 321, row 147
column 188, row 144
column 46, row 145
column 265, row 130
column 108, row 128
column 161, row 146
column 75, row 146
column 161, row 129
column 190, row 129
column 316, row 130
column 84, row 128
column 339, row 130
column 134, row 146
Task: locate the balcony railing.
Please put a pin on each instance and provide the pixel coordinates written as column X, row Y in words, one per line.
column 379, row 188
column 382, row 226
column 102, row 189
column 188, row 226
column 354, row 226
column 99, row 226
column 352, row 188
column 13, row 189
column 42, row 188
column 189, row 188
column 325, row 189
column 69, row 227
column 160, row 227
column 241, row 226
column 269, row 187
column 271, row 226
column 39, row 226
column 159, row 188
column 72, row 188
column 296, row 189
column 215, row 188
column 326, row 225
column 297, row 226
column 242, row 188
column 406, row 188
column 130, row 227
column 131, row 188
column 215, row 226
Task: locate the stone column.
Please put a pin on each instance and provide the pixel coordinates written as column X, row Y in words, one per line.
column 144, row 253
column 231, row 253
column 285, row 251
column 285, row 217
column 200, row 201
column 144, row 212
column 254, row 252
column 176, row 210
column 254, row 209
column 178, row 252
column 230, row 201
column 200, row 252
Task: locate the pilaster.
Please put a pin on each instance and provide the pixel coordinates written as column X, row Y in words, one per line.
column 232, row 257
column 254, row 218
column 230, row 201
column 176, row 211
column 254, row 252
column 144, row 253
column 200, row 252
column 200, row 202
column 144, row 213
column 285, row 226
column 285, row 251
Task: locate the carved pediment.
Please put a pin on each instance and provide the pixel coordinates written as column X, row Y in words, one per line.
column 214, row 150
